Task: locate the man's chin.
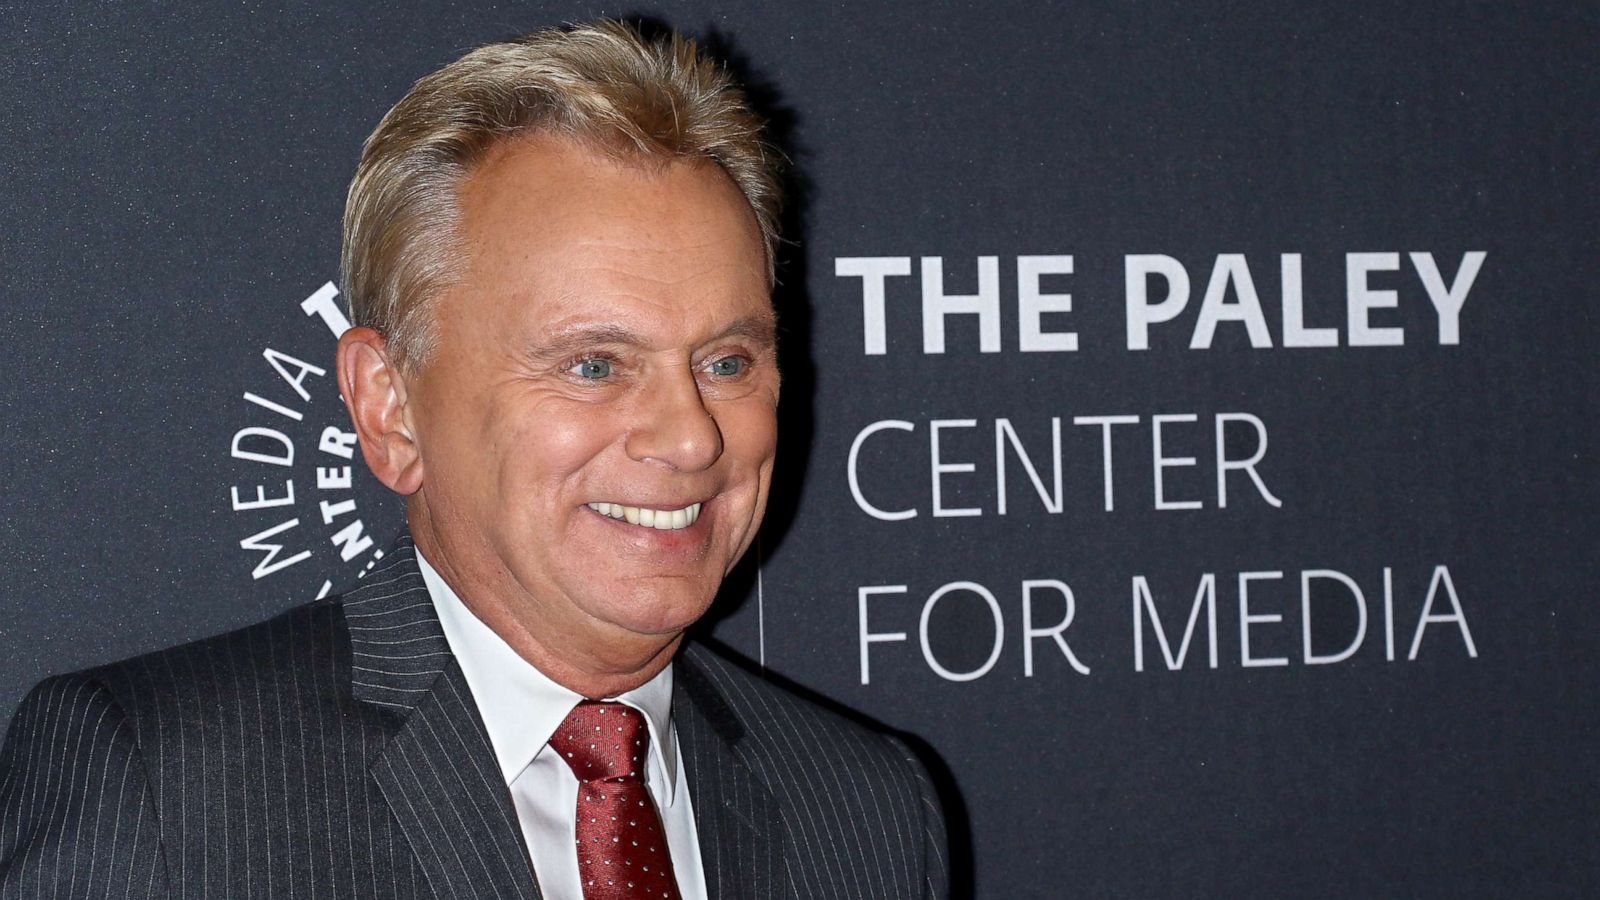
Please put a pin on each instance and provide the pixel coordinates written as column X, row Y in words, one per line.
column 653, row 606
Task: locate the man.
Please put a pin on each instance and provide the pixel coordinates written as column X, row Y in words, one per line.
column 558, row 253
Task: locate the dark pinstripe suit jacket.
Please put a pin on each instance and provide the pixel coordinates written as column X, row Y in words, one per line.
column 335, row 752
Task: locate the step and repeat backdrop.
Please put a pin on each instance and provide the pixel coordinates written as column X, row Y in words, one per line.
column 1190, row 422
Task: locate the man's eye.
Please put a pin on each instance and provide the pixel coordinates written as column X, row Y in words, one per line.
column 728, row 365
column 593, row 368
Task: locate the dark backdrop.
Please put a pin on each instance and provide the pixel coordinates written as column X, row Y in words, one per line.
column 173, row 178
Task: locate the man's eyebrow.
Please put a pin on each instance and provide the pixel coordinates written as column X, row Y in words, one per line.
column 575, row 338
column 760, row 328
column 567, row 341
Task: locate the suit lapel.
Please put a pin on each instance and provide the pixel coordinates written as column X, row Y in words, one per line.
column 436, row 770
column 741, row 831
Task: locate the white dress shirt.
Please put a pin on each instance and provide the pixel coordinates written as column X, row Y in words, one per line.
column 521, row 708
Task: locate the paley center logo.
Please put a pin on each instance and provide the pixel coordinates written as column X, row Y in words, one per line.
column 296, row 498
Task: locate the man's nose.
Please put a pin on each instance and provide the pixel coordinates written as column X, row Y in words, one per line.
column 674, row 427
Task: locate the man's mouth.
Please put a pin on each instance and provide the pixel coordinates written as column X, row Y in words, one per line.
column 660, row 519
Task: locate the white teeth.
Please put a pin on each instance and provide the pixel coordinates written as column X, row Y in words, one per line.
column 661, row 519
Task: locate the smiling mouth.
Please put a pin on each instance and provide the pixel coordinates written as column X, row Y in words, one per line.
column 660, row 519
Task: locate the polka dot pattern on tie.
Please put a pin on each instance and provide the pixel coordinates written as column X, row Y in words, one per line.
column 622, row 848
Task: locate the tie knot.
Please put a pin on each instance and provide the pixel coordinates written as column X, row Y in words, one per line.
column 603, row 740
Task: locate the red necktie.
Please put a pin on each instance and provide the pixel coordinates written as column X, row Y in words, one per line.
column 622, row 848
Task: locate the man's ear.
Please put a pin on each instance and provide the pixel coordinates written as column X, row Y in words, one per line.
column 374, row 390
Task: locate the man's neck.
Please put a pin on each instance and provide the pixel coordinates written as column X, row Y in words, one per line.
column 593, row 659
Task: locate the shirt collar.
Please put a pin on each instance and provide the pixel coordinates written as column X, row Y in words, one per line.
column 520, row 705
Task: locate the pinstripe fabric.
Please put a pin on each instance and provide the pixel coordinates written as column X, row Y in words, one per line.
column 437, row 770
column 77, row 804
column 236, row 767
column 335, row 752
column 793, row 801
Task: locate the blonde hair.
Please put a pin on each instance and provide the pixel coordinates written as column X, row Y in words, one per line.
column 601, row 83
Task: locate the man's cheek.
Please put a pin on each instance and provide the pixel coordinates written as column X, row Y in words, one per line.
column 564, row 443
column 751, row 426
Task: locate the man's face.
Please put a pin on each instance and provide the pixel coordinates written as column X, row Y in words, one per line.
column 597, row 420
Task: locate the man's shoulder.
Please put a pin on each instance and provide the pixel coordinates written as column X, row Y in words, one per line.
column 293, row 658
column 307, row 650
column 837, row 780
column 782, row 717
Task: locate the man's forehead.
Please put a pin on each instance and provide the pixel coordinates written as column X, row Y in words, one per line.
column 557, row 217
column 542, row 170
